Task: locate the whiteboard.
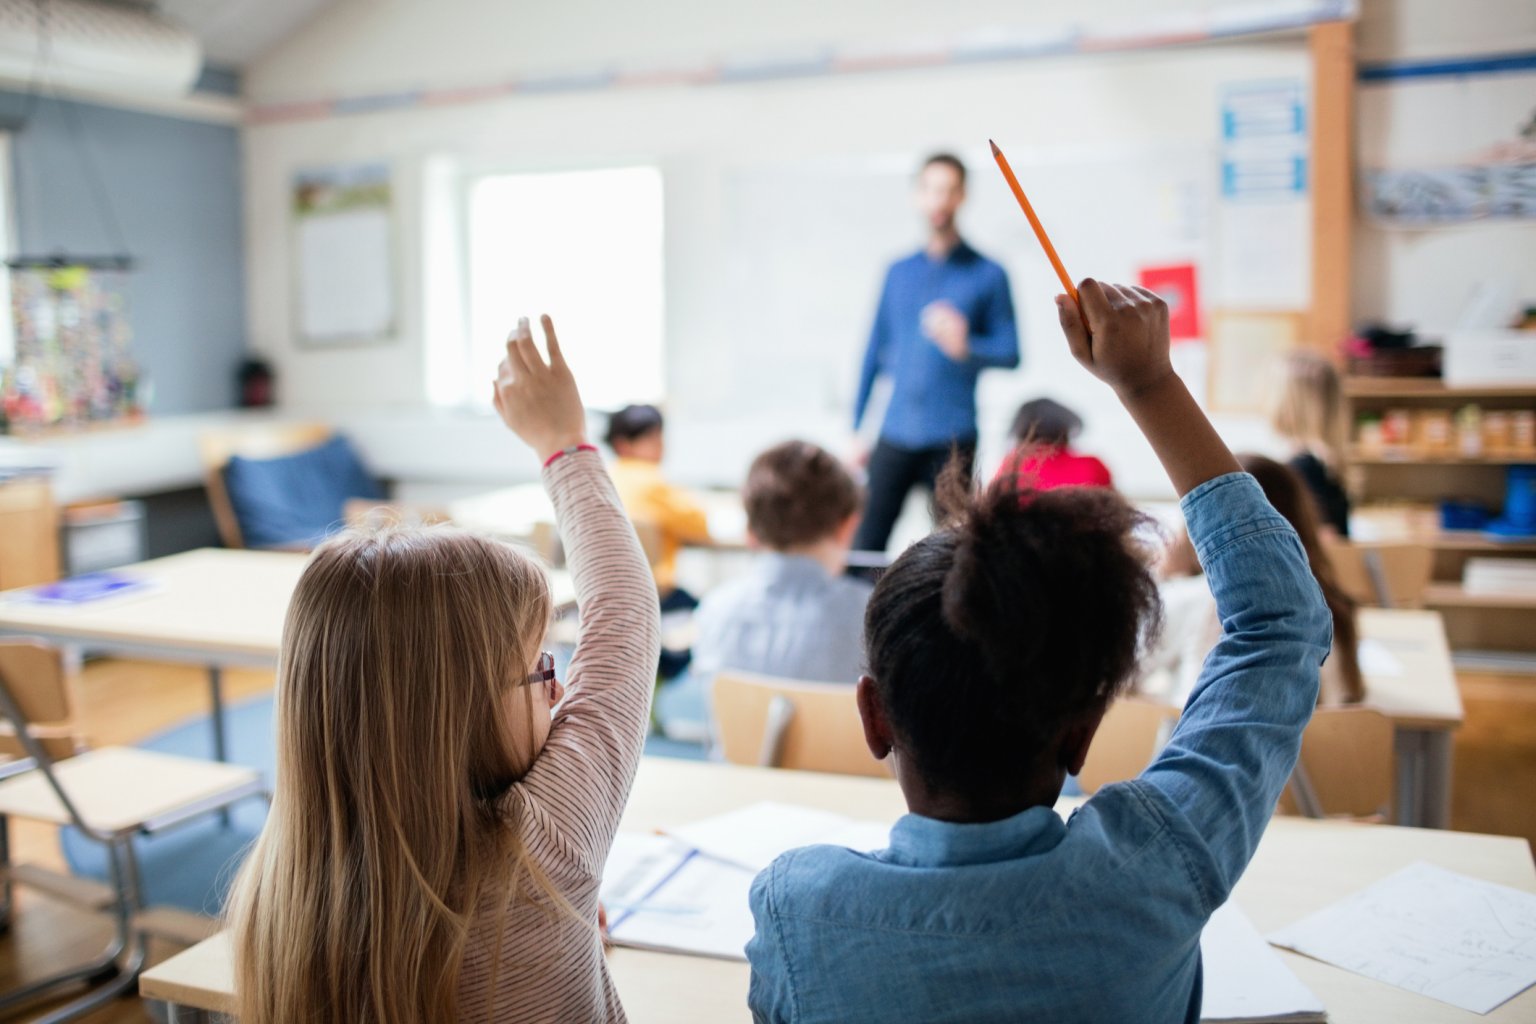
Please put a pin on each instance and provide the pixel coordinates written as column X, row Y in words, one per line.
column 808, row 243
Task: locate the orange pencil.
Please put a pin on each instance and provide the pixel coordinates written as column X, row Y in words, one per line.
column 1034, row 222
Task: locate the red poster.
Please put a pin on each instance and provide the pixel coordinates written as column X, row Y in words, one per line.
column 1175, row 283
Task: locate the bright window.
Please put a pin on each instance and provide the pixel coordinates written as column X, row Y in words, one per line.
column 584, row 247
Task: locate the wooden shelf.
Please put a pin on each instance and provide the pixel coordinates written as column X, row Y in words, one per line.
column 1454, row 595
column 1359, row 458
column 1429, row 387
column 1474, row 540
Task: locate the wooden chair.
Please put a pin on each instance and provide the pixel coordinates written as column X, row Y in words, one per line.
column 109, row 795
column 1382, row 575
column 1346, row 766
column 782, row 723
column 251, row 441
column 1133, row 731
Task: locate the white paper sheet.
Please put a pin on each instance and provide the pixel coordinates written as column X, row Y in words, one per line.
column 753, row 836
column 663, row 895
column 1460, row 940
column 1377, row 659
column 1247, row 981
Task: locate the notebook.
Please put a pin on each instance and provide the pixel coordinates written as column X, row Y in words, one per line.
column 84, row 589
column 755, row 835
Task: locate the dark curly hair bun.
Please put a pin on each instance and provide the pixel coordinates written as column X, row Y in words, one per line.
column 1026, row 611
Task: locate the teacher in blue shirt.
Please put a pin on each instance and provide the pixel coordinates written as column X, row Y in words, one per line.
column 945, row 315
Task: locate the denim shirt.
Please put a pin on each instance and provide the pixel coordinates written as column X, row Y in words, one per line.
column 1097, row 918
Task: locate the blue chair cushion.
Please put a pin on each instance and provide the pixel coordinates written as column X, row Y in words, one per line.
column 296, row 499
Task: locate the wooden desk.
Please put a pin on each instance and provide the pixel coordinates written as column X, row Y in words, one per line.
column 1425, row 707
column 211, row 607
column 1301, row 866
column 514, row 512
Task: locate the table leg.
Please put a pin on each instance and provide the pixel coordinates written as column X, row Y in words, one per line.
column 216, row 720
column 1408, row 797
column 1436, row 780
column 1423, row 797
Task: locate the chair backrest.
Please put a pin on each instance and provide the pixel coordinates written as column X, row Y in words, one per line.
column 251, row 441
column 1133, row 730
column 782, row 723
column 1382, row 575
column 38, row 683
column 1347, row 766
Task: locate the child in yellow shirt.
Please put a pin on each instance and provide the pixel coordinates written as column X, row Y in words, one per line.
column 666, row 516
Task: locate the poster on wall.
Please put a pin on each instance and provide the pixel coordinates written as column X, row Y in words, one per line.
column 1175, row 284
column 1264, row 219
column 343, row 232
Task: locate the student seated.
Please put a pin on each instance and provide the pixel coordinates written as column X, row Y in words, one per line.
column 1310, row 416
column 1042, row 458
column 1191, row 627
column 995, row 646
column 441, row 816
column 635, row 435
column 795, row 615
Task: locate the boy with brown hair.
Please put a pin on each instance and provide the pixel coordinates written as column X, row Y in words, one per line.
column 795, row 615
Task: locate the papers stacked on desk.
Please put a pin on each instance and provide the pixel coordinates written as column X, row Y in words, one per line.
column 686, row 892
column 1246, row 981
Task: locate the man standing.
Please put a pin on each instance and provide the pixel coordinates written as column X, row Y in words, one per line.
column 945, row 315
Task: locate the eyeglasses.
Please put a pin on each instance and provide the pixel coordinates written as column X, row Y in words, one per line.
column 546, row 672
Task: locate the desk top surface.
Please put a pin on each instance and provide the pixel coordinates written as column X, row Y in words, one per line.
column 1301, row 866
column 213, row 601
column 1412, row 680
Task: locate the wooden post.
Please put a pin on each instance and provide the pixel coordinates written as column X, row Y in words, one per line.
column 1332, row 182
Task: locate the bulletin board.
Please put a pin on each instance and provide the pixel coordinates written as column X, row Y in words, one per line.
column 344, row 255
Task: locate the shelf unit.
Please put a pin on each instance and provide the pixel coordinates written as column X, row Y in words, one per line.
column 1474, row 622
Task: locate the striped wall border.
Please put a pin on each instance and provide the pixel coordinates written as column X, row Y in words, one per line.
column 974, row 48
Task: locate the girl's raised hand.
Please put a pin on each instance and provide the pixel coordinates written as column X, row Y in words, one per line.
column 539, row 400
column 1125, row 341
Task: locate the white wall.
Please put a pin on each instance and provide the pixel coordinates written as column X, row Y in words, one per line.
column 1421, row 278
column 703, row 138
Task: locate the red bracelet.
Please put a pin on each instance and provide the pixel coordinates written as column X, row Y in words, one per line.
column 569, row 451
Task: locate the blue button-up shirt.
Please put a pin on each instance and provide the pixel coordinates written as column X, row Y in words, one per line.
column 1097, row 918
column 933, row 398
column 788, row 617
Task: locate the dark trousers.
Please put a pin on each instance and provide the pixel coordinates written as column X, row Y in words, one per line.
column 893, row 472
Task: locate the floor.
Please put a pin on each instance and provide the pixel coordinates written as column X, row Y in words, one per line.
column 122, row 702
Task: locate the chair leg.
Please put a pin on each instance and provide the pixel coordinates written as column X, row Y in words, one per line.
column 105, row 967
column 7, row 888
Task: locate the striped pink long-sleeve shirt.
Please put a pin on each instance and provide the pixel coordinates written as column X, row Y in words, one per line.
column 568, row 805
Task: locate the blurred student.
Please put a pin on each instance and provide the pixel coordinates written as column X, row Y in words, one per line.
column 995, row 646
column 1310, row 415
column 636, row 437
column 439, row 825
column 1042, row 458
column 1191, row 627
column 945, row 315
column 795, row 614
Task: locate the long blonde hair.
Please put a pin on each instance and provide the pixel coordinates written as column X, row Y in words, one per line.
column 393, row 743
column 1310, row 408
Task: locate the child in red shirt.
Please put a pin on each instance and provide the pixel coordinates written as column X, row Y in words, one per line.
column 1042, row 458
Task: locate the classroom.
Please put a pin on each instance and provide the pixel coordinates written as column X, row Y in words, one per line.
column 816, row 512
